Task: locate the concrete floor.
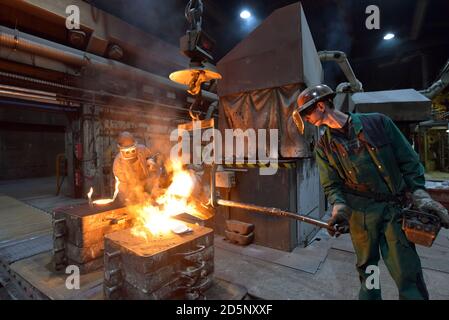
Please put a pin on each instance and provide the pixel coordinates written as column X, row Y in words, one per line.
column 37, row 192
column 335, row 278
column 323, row 270
column 26, row 188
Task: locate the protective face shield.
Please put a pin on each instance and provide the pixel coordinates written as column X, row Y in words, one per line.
column 298, row 121
column 127, row 146
column 307, row 101
column 128, row 153
column 298, row 117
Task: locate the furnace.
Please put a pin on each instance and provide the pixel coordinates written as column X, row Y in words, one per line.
column 166, row 266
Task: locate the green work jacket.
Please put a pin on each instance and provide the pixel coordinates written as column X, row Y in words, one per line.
column 389, row 158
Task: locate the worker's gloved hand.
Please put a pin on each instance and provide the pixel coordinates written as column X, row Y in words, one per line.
column 341, row 214
column 152, row 165
column 423, row 201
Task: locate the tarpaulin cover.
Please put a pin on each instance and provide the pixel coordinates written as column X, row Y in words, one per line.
column 268, row 109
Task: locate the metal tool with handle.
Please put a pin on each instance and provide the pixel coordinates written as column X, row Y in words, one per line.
column 420, row 227
column 214, row 201
column 273, row 212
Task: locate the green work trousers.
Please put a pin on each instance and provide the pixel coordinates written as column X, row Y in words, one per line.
column 375, row 230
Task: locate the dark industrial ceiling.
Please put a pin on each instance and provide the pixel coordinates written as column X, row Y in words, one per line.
column 412, row 59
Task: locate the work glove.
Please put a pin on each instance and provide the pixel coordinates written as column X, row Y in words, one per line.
column 152, row 165
column 423, row 201
column 339, row 222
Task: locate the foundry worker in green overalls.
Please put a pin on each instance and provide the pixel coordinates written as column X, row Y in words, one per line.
column 366, row 165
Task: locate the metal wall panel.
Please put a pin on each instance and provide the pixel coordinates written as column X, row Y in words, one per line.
column 278, row 190
column 279, row 52
column 310, row 198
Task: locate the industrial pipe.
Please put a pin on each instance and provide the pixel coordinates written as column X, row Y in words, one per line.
column 439, row 85
column 20, row 41
column 210, row 111
column 354, row 85
column 61, row 99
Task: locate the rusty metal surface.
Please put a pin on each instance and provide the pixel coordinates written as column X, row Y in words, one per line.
column 37, row 272
column 154, row 245
column 87, row 267
column 85, row 238
column 209, row 223
column 84, row 210
column 156, row 280
column 170, row 291
column 85, row 225
column 78, row 234
column 105, row 28
column 241, row 239
column 84, row 254
column 148, row 264
column 239, row 226
column 159, row 267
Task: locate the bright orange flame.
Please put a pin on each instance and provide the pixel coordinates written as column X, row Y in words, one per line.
column 89, row 194
column 104, row 201
column 157, row 219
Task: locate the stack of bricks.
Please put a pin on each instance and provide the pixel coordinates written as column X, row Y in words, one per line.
column 172, row 266
column 239, row 232
column 78, row 234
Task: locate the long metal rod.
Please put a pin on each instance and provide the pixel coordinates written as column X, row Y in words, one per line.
column 215, row 201
column 273, row 212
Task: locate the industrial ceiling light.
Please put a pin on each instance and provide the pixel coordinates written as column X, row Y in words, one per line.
column 245, row 14
column 389, row 36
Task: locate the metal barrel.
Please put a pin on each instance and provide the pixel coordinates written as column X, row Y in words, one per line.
column 274, row 212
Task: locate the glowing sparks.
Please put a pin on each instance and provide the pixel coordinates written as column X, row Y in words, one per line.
column 117, row 183
column 104, row 201
column 89, row 194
